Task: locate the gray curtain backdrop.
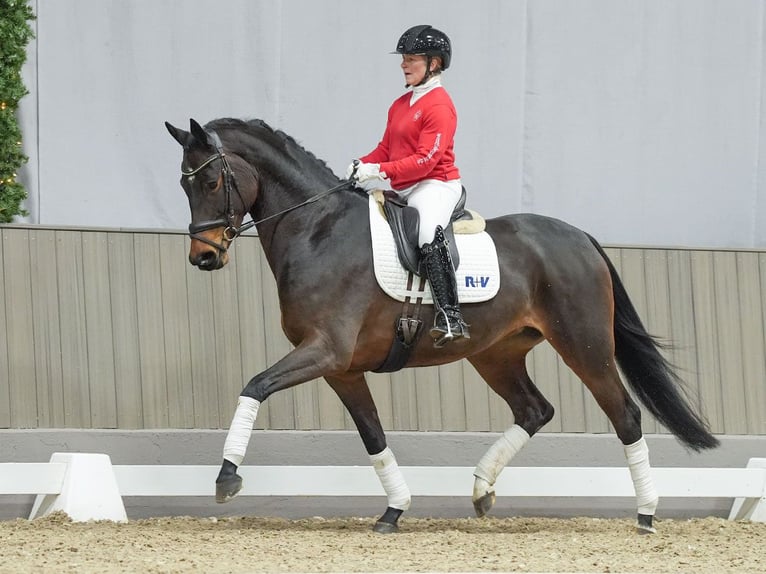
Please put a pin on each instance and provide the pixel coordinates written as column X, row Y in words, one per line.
column 639, row 121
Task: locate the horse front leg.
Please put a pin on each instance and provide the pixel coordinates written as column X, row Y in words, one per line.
column 355, row 395
column 306, row 362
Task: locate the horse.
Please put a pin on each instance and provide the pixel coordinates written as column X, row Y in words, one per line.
column 556, row 284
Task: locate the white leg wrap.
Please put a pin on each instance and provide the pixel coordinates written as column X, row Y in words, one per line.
column 239, row 432
column 500, row 454
column 638, row 462
column 391, row 478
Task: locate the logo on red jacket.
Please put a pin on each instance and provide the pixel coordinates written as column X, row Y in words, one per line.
column 417, row 115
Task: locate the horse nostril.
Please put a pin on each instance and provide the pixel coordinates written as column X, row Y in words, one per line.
column 206, row 260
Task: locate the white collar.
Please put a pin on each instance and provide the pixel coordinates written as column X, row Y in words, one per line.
column 421, row 90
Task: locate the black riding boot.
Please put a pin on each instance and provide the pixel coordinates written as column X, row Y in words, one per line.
column 448, row 321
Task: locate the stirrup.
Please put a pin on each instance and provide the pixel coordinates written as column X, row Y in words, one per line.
column 454, row 328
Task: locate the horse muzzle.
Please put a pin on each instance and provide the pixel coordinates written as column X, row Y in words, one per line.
column 209, row 259
column 209, row 251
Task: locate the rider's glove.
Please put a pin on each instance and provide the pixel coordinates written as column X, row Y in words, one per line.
column 350, row 169
column 367, row 171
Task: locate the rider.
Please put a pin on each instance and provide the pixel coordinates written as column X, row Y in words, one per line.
column 417, row 156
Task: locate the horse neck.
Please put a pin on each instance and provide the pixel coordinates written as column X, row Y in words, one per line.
column 289, row 176
column 302, row 232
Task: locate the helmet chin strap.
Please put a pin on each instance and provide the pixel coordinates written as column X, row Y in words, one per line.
column 428, row 76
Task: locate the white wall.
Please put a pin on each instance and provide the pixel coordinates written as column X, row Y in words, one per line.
column 639, row 121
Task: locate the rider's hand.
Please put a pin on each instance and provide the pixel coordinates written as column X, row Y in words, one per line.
column 368, row 171
column 350, row 169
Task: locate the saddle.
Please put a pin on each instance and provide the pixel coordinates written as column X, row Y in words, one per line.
column 405, row 224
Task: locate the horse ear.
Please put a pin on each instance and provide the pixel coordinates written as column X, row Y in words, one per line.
column 199, row 132
column 181, row 136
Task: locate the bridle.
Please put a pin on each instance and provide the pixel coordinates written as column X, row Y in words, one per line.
column 231, row 231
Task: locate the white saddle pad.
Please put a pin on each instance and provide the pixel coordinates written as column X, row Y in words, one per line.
column 478, row 277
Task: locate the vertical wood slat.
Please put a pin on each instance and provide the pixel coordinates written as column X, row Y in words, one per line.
column 476, row 397
column 225, row 326
column 683, row 335
column 74, row 356
column 429, row 399
column 151, row 343
column 752, row 323
column 202, row 347
column 729, row 342
column 658, row 313
column 252, row 344
column 404, row 400
column 634, row 277
column 5, row 387
column 708, row 357
column 22, row 402
column 546, row 379
column 99, row 329
column 47, row 327
column 452, row 397
column 281, row 405
column 380, row 389
column 175, row 324
column 127, row 373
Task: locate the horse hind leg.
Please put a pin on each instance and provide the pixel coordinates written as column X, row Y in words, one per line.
column 506, row 373
column 594, row 363
column 625, row 416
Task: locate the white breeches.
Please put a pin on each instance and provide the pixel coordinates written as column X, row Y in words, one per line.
column 435, row 201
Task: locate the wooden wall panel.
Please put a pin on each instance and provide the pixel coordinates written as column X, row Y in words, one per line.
column 151, row 342
column 99, row 329
column 5, row 386
column 104, row 329
column 74, row 345
column 729, row 335
column 682, row 334
column 753, row 341
column 202, row 344
column 47, row 326
column 176, row 332
column 708, row 359
column 125, row 334
column 20, row 334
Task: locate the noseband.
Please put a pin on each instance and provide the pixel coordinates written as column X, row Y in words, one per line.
column 231, row 232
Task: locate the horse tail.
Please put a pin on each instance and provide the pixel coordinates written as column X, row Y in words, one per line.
column 650, row 375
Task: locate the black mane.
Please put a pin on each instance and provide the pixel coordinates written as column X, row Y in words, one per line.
column 263, row 131
column 279, row 140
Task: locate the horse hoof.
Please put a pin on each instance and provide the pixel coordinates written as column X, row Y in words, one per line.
column 644, row 524
column 484, row 504
column 227, row 488
column 385, row 528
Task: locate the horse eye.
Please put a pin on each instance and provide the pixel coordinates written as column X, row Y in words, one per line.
column 211, row 185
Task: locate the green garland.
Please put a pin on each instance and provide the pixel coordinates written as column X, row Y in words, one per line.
column 16, row 33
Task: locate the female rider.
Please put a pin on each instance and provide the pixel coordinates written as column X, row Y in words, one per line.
column 417, row 156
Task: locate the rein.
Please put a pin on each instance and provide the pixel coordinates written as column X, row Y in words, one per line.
column 231, row 232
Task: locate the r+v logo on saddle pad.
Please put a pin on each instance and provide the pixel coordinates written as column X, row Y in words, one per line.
column 479, row 282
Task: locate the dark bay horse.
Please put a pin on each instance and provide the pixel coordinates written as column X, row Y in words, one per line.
column 556, row 284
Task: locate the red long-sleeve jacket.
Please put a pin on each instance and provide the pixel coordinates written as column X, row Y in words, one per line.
column 418, row 142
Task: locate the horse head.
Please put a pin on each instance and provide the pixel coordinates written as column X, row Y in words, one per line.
column 221, row 188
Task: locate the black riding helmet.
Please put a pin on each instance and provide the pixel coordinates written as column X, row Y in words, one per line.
column 426, row 40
